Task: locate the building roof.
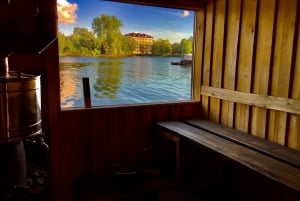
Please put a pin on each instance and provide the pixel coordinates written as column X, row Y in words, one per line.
column 140, row 35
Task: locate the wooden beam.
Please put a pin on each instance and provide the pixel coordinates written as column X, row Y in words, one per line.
column 268, row 102
column 198, row 50
column 186, row 4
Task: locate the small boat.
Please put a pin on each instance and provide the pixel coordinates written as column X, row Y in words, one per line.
column 187, row 59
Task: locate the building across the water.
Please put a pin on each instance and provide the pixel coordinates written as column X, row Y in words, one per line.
column 144, row 42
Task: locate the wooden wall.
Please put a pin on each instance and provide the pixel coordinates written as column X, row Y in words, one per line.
column 250, row 67
column 28, row 32
column 248, row 55
column 91, row 141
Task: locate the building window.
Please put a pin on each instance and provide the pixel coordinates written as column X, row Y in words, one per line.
column 132, row 54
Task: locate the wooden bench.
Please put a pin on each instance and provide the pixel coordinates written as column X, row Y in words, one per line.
column 274, row 161
column 274, row 150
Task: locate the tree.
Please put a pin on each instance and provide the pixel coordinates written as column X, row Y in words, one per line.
column 62, row 43
column 186, row 46
column 129, row 45
column 84, row 42
column 107, row 29
column 86, row 38
column 66, row 46
column 176, row 48
column 162, row 47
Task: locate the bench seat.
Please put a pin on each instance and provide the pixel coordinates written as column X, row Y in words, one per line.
column 274, row 150
column 233, row 148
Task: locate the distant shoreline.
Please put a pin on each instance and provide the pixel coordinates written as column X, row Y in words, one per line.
column 135, row 55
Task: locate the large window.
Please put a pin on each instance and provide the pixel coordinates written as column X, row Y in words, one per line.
column 132, row 54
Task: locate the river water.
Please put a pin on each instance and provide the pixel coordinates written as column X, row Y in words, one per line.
column 129, row 80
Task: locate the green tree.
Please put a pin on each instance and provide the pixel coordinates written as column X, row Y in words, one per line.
column 62, row 43
column 162, row 47
column 129, row 45
column 84, row 42
column 66, row 46
column 186, row 46
column 107, row 29
column 86, row 38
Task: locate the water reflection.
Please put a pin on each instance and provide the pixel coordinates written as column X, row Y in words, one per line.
column 108, row 79
column 68, row 83
column 129, row 80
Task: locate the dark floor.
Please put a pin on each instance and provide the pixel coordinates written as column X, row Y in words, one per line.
column 177, row 194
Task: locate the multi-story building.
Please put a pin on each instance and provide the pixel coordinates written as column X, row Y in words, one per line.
column 144, row 42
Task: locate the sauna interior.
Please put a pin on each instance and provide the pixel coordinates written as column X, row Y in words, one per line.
column 246, row 75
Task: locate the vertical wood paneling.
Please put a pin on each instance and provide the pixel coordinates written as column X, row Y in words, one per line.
column 261, row 57
column 51, row 121
column 176, row 112
column 191, row 111
column 144, row 135
column 282, row 66
column 245, row 62
column 217, row 56
column 233, row 26
column 162, row 113
column 99, row 143
column 74, row 151
column 93, row 140
column 207, row 53
column 293, row 139
column 198, row 50
column 116, row 127
column 294, row 130
column 129, row 138
column 262, row 63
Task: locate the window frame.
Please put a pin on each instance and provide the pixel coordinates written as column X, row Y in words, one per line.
column 198, row 42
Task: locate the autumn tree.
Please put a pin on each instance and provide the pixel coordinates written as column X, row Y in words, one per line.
column 176, row 48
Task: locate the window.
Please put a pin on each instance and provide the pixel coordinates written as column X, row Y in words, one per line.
column 132, row 54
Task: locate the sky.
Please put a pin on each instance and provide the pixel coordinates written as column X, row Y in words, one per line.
column 163, row 23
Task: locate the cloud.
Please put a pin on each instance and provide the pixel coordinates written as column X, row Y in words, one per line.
column 185, row 13
column 181, row 13
column 66, row 12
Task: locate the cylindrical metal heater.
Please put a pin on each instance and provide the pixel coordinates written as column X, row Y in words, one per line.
column 20, row 119
column 20, row 106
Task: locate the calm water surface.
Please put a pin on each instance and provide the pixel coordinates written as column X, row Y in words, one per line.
column 130, row 80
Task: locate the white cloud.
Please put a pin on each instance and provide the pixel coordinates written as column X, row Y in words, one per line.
column 66, row 12
column 185, row 13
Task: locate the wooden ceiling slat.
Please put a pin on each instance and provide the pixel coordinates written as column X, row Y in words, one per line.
column 180, row 4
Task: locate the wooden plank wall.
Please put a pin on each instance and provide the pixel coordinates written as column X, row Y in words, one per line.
column 250, row 69
column 92, row 140
column 28, row 32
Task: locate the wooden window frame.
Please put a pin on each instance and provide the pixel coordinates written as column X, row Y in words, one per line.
column 198, row 7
